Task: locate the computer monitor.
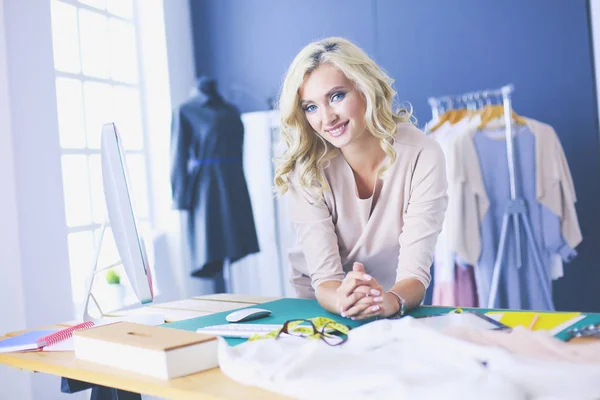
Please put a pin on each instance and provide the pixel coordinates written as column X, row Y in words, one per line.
column 120, row 214
column 122, row 220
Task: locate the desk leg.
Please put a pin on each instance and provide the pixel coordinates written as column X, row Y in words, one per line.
column 98, row 392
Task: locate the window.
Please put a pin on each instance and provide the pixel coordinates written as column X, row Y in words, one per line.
column 98, row 80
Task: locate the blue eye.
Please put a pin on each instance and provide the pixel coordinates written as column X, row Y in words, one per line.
column 310, row 108
column 338, row 96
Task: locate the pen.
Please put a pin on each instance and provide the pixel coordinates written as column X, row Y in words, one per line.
column 533, row 321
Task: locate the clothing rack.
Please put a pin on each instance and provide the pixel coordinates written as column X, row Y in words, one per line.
column 515, row 210
column 470, row 100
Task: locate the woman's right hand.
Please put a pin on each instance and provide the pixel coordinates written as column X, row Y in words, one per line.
column 356, row 286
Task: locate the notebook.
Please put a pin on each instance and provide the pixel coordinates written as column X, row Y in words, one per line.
column 61, row 339
column 25, row 342
column 40, row 339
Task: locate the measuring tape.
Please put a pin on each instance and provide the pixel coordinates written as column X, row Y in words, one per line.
column 318, row 326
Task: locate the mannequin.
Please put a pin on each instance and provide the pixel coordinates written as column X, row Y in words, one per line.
column 208, row 182
column 205, row 89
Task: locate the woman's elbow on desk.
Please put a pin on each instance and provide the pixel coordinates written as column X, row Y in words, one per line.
column 326, row 294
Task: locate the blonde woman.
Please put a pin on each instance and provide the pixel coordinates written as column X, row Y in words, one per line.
column 366, row 188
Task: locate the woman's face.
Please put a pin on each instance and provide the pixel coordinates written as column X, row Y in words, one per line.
column 333, row 106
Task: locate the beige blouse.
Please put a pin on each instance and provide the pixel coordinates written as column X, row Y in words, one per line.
column 394, row 240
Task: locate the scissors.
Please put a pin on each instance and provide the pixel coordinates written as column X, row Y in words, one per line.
column 585, row 331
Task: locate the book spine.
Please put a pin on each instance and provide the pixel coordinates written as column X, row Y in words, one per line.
column 63, row 334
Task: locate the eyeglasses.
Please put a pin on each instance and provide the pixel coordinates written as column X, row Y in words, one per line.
column 331, row 332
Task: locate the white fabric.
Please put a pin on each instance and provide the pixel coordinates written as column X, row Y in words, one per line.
column 556, row 267
column 403, row 359
column 444, row 254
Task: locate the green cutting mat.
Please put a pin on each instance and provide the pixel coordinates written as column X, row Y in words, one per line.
column 281, row 310
column 285, row 309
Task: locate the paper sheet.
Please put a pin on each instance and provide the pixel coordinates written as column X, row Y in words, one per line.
column 549, row 321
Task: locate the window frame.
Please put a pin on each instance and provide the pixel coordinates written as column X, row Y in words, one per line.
column 144, row 152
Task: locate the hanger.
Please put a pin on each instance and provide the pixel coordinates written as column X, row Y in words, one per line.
column 460, row 112
column 443, row 118
column 495, row 111
column 452, row 116
column 473, row 108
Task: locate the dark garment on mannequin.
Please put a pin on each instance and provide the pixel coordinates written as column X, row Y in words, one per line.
column 208, row 181
column 213, row 270
column 209, row 270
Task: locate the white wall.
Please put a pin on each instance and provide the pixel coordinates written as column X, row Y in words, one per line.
column 34, row 236
column 180, row 50
column 13, row 383
column 157, row 102
column 178, row 31
column 33, row 232
column 157, row 106
column 36, row 152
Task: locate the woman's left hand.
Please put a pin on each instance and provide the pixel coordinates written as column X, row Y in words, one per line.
column 367, row 306
column 385, row 307
column 359, row 296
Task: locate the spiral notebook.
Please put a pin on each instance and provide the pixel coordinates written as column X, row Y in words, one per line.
column 61, row 340
column 47, row 340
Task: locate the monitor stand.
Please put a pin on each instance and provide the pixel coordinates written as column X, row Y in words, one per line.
column 89, row 295
column 95, row 271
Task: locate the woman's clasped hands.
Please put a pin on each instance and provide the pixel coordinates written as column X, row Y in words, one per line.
column 360, row 296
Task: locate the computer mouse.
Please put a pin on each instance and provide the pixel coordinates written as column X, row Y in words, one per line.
column 247, row 314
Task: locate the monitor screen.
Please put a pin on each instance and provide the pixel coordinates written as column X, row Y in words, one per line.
column 121, row 214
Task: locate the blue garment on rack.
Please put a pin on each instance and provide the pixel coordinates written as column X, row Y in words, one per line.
column 519, row 288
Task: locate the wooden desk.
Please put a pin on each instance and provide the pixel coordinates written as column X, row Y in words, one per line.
column 211, row 384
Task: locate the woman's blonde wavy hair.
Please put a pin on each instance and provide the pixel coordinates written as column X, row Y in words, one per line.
column 306, row 152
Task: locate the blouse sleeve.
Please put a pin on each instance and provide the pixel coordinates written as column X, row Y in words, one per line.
column 423, row 215
column 569, row 223
column 315, row 234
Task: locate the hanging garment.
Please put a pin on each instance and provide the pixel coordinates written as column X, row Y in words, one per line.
column 208, row 181
column 469, row 203
column 394, row 238
column 465, row 286
column 519, row 288
column 444, row 285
